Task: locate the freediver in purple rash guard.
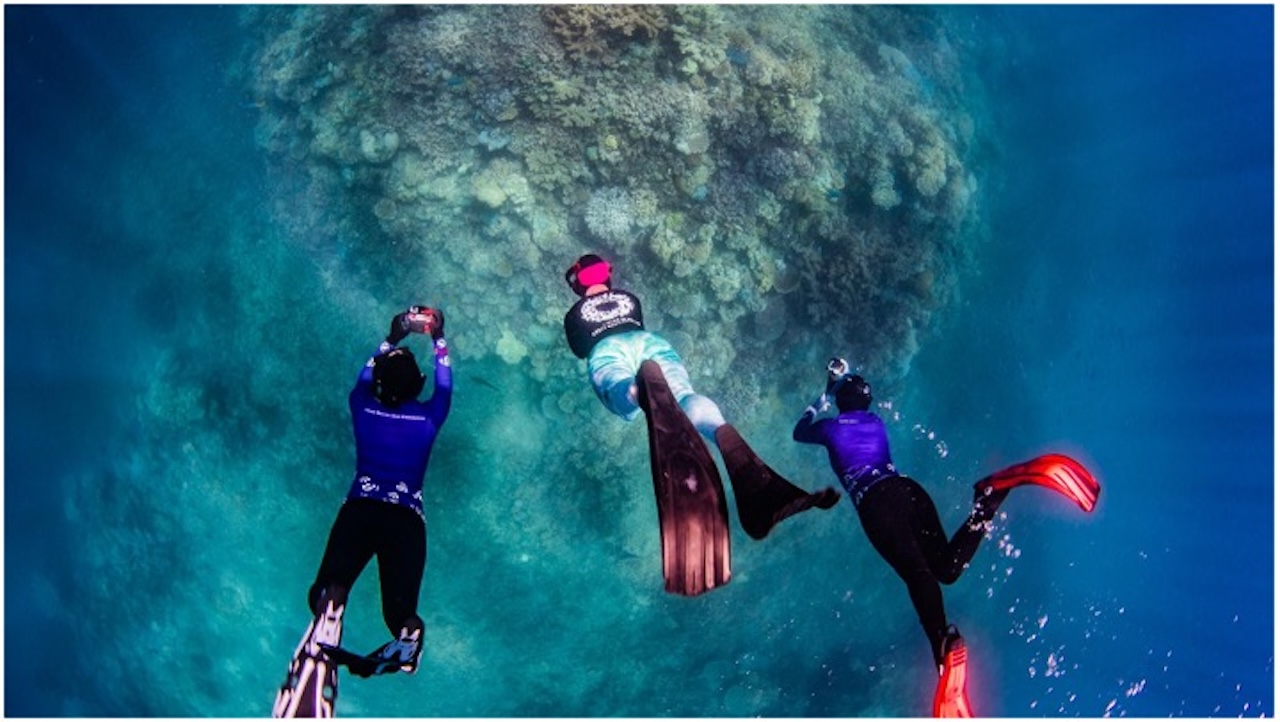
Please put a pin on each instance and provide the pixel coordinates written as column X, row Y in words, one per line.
column 382, row 517
column 902, row 523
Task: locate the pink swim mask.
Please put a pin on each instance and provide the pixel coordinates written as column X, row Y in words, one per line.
column 594, row 275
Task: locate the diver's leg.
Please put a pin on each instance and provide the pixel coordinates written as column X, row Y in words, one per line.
column 310, row 688
column 349, row 549
column 612, row 368
column 888, row 513
column 402, row 556
column 949, row 558
column 702, row 411
column 964, row 543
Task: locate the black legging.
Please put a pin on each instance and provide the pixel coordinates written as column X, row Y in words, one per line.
column 902, row 524
column 397, row 536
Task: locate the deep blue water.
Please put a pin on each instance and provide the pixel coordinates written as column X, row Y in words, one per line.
column 1124, row 310
column 1129, row 312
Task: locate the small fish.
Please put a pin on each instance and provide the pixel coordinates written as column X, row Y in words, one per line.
column 484, row 382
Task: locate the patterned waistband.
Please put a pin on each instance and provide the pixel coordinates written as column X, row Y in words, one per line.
column 391, row 492
column 859, row 482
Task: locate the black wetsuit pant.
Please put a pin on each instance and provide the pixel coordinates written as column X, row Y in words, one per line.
column 397, row 536
column 902, row 524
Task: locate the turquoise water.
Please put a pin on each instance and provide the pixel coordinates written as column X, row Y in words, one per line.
column 191, row 288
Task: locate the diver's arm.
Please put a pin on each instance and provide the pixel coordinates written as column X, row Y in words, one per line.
column 806, row 430
column 366, row 371
column 442, row 395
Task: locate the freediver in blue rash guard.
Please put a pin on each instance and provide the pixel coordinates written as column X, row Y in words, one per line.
column 902, row 522
column 633, row 369
column 381, row 517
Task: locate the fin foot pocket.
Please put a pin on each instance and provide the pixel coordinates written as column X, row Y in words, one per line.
column 951, row 699
column 402, row 653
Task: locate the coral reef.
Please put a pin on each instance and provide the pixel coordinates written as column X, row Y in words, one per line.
column 724, row 156
column 706, row 147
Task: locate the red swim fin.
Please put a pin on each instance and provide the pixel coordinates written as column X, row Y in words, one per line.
column 952, row 698
column 1058, row 472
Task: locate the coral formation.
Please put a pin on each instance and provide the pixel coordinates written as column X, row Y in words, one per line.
column 723, row 156
column 591, row 31
column 617, row 216
column 510, row 348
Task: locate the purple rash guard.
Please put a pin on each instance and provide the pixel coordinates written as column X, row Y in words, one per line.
column 857, row 446
column 394, row 444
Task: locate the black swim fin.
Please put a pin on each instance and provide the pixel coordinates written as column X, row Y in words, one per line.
column 399, row 655
column 763, row 497
column 362, row 665
column 692, row 513
column 310, row 687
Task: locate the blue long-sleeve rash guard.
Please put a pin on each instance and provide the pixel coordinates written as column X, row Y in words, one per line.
column 393, row 445
column 856, row 444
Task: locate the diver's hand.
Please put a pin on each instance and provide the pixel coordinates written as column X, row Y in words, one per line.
column 401, row 326
column 836, row 369
column 419, row 318
column 819, row 406
column 434, row 322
